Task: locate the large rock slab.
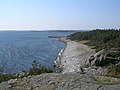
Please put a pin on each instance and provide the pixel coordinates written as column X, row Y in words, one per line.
column 58, row 82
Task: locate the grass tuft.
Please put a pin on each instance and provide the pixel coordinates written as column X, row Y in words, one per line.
column 107, row 80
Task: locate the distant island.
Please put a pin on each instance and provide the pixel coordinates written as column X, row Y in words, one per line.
column 56, row 30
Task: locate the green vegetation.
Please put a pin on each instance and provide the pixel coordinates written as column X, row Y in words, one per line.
column 114, row 54
column 107, row 80
column 99, row 38
column 35, row 70
column 113, row 71
column 103, row 39
column 39, row 69
column 6, row 77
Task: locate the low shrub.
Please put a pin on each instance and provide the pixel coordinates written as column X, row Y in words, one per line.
column 35, row 70
column 107, row 80
column 113, row 71
column 6, row 77
column 39, row 69
column 114, row 54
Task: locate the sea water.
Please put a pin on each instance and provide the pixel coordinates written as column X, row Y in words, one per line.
column 18, row 49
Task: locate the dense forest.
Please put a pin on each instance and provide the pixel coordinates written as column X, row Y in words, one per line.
column 99, row 38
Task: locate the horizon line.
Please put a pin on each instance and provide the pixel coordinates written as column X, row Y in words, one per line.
column 53, row 29
column 43, row 29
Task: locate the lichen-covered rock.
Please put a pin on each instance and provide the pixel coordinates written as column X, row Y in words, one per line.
column 101, row 58
column 77, row 73
column 56, row 81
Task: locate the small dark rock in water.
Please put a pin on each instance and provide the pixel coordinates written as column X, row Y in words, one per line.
column 54, row 66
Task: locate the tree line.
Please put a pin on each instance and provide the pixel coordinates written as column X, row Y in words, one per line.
column 99, row 38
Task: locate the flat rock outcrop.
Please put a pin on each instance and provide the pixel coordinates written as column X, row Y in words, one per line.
column 74, row 76
column 55, row 81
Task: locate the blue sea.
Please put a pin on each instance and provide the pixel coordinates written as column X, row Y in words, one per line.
column 18, row 49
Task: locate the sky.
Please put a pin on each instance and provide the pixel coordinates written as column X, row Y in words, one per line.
column 59, row 14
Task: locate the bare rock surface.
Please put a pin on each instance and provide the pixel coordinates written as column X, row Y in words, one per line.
column 73, row 58
column 55, row 81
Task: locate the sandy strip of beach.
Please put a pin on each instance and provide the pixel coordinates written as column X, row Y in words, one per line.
column 74, row 56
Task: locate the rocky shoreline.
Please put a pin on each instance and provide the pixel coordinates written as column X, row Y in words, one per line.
column 74, row 56
column 73, row 60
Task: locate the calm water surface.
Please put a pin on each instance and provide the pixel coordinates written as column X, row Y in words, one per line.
column 18, row 49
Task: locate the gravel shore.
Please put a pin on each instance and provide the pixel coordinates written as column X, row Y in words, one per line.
column 71, row 59
column 74, row 56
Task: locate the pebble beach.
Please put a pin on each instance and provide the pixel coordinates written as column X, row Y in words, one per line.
column 74, row 56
